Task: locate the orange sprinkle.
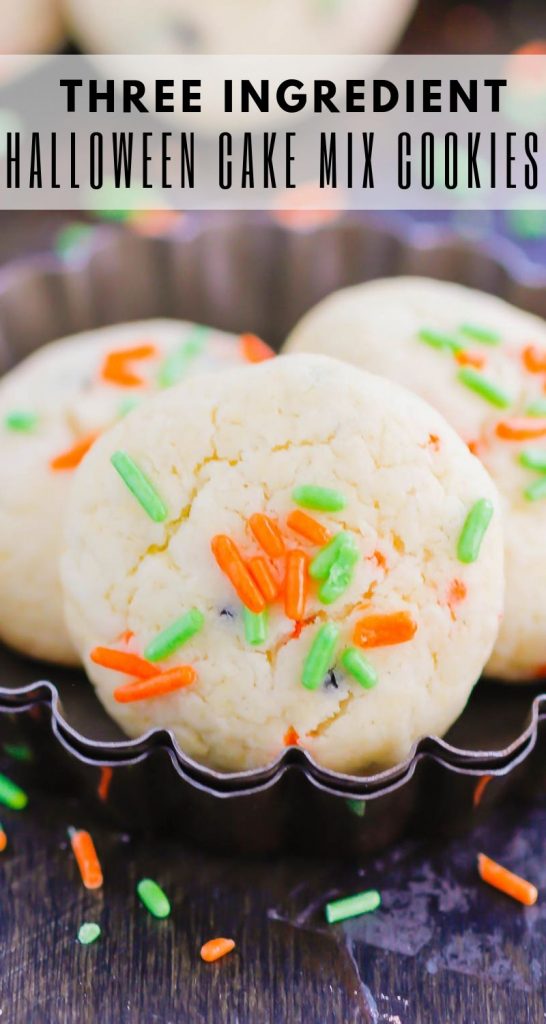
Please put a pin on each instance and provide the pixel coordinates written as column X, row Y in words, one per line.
column 159, row 685
column 214, row 949
column 154, row 222
column 301, row 625
column 473, row 447
column 3, row 840
column 434, row 442
column 231, row 563
column 114, row 367
column 121, row 661
column 534, row 360
column 384, row 630
column 126, row 636
column 263, row 575
column 267, row 534
column 380, row 559
column 465, row 358
column 296, row 585
column 308, row 527
column 457, row 592
column 103, row 787
column 521, row 429
column 86, row 858
column 254, row 349
column 480, row 788
column 291, row 737
column 500, row 878
column 72, row 457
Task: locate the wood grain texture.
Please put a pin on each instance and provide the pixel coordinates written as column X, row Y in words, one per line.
column 443, row 947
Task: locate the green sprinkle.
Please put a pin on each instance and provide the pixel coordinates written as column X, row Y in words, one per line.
column 18, row 751
column 352, row 906
column 255, row 627
column 11, row 795
column 71, row 238
column 474, row 530
column 21, row 421
column 357, row 807
column 341, row 572
column 537, row 408
column 127, row 405
column 527, row 223
column 153, row 898
column 324, row 560
column 175, row 365
column 322, row 499
column 536, row 491
column 319, row 658
column 88, row 933
column 481, row 334
column 139, row 485
column 437, row 339
column 359, row 667
column 533, row 458
column 175, row 636
column 484, row 387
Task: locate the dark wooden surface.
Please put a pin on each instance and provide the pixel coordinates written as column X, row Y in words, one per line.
column 442, row 949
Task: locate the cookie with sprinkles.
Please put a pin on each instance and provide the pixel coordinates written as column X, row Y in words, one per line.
column 482, row 364
column 362, row 570
column 53, row 407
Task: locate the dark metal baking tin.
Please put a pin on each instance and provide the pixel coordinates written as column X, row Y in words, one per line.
column 249, row 273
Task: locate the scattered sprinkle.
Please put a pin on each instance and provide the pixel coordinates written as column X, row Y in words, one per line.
column 324, row 560
column 268, row 535
column 127, row 405
column 254, row 349
column 322, row 499
column 153, row 898
column 265, row 578
column 85, row 853
column 89, row 932
column 536, row 408
column 291, row 737
column 255, row 627
column 480, row 789
column 115, row 370
column 3, row 839
column 11, row 795
column 533, row 458
column 484, row 387
column 320, row 656
column 230, row 562
column 352, row 906
column 175, row 636
column 500, row 878
column 72, row 237
column 214, row 949
column 359, row 668
column 20, row 421
column 533, row 359
column 474, row 530
column 296, row 585
column 122, row 661
column 465, row 358
column 357, row 807
column 521, row 429
column 384, row 630
column 482, row 334
column 175, row 365
column 139, row 486
column 308, row 527
column 72, row 457
column 537, row 490
column 457, row 592
column 437, row 339
column 103, row 788
column 18, row 751
column 158, row 686
column 341, row 572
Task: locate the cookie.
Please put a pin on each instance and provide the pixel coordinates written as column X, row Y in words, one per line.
column 52, row 407
column 284, row 554
column 241, row 26
column 482, row 364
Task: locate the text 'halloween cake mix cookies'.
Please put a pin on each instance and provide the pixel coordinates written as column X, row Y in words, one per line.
column 292, row 552
column 53, row 406
column 482, row 363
